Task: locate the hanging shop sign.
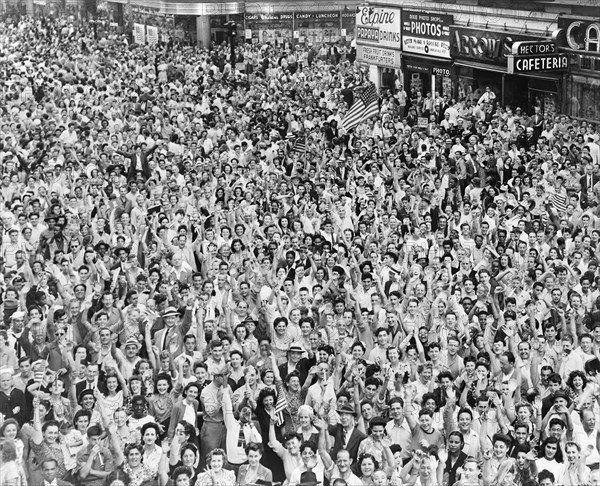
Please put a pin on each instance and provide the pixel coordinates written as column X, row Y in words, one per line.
column 533, row 48
column 549, row 62
column 579, row 34
column 487, row 46
column 378, row 27
column 379, row 56
column 425, row 33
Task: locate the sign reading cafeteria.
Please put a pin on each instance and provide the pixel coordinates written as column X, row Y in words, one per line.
column 378, row 27
column 426, row 33
column 549, row 62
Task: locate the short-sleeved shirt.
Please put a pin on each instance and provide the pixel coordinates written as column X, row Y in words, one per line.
column 102, row 462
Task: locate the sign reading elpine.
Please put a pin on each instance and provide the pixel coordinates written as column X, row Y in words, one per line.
column 426, row 33
column 378, row 27
column 550, row 62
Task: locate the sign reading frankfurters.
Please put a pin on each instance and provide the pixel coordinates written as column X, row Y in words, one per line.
column 378, row 27
column 426, row 33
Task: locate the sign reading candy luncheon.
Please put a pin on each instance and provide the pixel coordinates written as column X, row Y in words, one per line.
column 427, row 34
column 378, row 27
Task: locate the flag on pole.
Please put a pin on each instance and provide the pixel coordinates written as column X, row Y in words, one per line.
column 280, row 406
column 364, row 107
column 299, row 145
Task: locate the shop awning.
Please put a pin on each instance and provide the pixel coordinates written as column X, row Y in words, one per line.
column 481, row 65
column 504, row 70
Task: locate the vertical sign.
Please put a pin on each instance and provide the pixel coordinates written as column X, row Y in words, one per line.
column 139, row 34
column 152, row 33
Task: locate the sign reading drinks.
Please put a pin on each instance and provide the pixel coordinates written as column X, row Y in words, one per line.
column 378, row 27
column 425, row 33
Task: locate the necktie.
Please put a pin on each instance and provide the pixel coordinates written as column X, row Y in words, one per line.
column 165, row 339
column 241, row 438
column 18, row 347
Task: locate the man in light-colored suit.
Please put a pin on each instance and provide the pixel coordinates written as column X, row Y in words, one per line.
column 171, row 337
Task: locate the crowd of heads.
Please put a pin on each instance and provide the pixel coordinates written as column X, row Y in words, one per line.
column 207, row 279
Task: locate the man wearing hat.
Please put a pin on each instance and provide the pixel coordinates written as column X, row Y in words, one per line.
column 213, row 431
column 170, row 338
column 296, row 362
column 130, row 351
column 346, row 435
column 15, row 334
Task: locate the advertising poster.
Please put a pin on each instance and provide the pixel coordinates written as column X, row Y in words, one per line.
column 139, row 34
column 426, row 34
column 379, row 27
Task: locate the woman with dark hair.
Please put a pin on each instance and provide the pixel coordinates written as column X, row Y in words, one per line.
column 254, row 471
column 189, row 398
column 152, row 451
column 265, row 407
column 161, row 403
column 11, row 473
column 456, row 457
column 10, row 430
column 548, row 457
column 45, row 444
column 215, row 474
column 367, row 465
column 184, row 454
column 576, row 383
column 131, row 463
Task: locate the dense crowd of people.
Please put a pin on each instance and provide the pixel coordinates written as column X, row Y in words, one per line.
column 206, row 280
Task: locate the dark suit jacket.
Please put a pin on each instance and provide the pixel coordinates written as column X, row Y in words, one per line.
column 302, row 368
column 132, row 156
column 355, row 439
column 585, row 190
column 83, row 385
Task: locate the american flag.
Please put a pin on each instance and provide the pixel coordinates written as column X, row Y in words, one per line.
column 363, row 108
column 280, row 406
column 559, row 201
column 299, row 145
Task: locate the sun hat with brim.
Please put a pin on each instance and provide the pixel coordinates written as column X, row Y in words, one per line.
column 171, row 312
column 296, row 348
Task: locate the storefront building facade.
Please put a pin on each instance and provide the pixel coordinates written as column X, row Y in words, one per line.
column 426, row 52
column 481, row 60
column 378, row 39
column 579, row 38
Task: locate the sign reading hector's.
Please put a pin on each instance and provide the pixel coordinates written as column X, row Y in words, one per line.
column 425, row 33
column 379, row 27
column 536, row 56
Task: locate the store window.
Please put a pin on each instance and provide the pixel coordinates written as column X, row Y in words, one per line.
column 583, row 98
